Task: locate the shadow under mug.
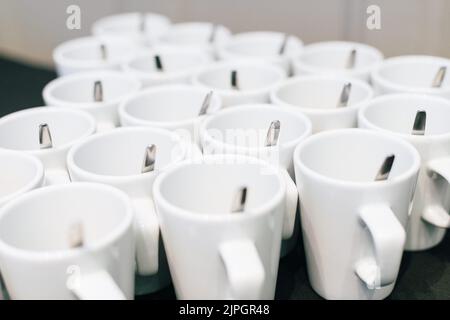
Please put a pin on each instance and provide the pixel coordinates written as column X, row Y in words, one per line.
column 19, row 131
column 37, row 258
column 353, row 226
column 243, row 130
column 215, row 253
column 395, row 114
column 77, row 91
column 116, row 158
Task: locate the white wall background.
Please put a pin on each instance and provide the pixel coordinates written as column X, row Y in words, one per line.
column 30, row 29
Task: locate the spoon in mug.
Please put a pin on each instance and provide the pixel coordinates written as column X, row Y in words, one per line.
column 149, row 159
column 239, row 201
column 385, row 169
column 76, row 235
column 142, row 23
column 45, row 137
column 439, row 78
column 420, row 123
column 206, row 104
column 212, row 36
column 345, row 95
column 351, row 59
column 234, row 80
column 283, row 44
column 273, row 134
column 103, row 52
column 158, row 63
column 98, row 91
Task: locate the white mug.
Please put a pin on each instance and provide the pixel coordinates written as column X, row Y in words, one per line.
column 178, row 65
column 86, row 54
column 20, row 131
column 144, row 29
column 395, row 114
column 334, row 58
column 214, row 253
column 78, row 91
column 199, row 35
column 243, row 130
column 318, row 97
column 19, row 173
column 38, row 257
column 262, row 46
column 411, row 74
column 254, row 81
column 354, row 227
column 172, row 107
column 116, row 158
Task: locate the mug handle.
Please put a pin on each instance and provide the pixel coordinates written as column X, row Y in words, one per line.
column 436, row 214
column 245, row 270
column 147, row 236
column 291, row 205
column 388, row 236
column 98, row 285
column 56, row 176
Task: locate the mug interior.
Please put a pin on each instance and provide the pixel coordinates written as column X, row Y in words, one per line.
column 16, row 173
column 21, row 131
column 81, row 89
column 260, row 44
column 90, row 51
column 194, row 33
column 216, row 185
column 169, row 104
column 321, row 93
column 122, row 153
column 248, row 127
column 42, row 222
column 355, row 156
column 414, row 73
column 397, row 114
column 249, row 77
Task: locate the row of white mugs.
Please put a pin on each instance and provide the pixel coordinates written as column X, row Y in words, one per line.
column 353, row 227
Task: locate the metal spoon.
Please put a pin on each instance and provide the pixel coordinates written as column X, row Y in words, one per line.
column 439, row 78
column 385, row 169
column 98, row 91
column 420, row 123
column 149, row 159
column 234, row 80
column 45, row 137
column 345, row 95
column 240, row 200
column 206, row 103
column 351, row 59
column 273, row 133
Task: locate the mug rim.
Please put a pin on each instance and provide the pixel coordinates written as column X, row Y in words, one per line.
column 277, row 100
column 60, row 254
column 66, row 80
column 81, row 113
column 414, row 167
column 125, row 114
column 378, row 79
column 237, row 63
column 255, row 106
column 401, row 96
column 264, row 209
column 33, row 183
column 93, row 176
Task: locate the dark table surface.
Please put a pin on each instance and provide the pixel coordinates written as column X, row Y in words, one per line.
column 423, row 275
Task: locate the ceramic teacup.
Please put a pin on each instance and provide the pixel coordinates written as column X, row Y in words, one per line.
column 244, row 130
column 396, row 114
column 336, row 58
column 412, row 74
column 262, row 46
column 68, row 242
column 177, row 65
column 214, row 251
column 355, row 203
column 93, row 53
column 21, row 131
column 142, row 28
column 78, row 91
column 319, row 98
column 240, row 82
column 117, row 158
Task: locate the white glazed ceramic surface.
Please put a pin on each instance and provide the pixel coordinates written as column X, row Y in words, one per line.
column 85, row 54
column 77, row 91
column 116, row 158
column 331, row 58
column 261, row 46
column 255, row 81
column 317, row 96
column 19, row 173
column 411, row 74
column 212, row 252
column 36, row 259
column 395, row 114
column 354, row 227
column 20, row 131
